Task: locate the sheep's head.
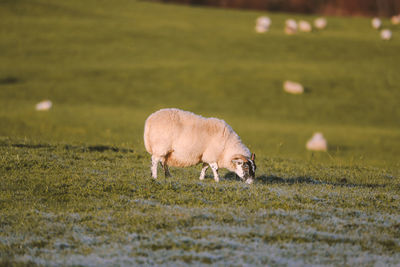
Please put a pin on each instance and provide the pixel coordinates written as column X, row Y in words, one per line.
column 245, row 167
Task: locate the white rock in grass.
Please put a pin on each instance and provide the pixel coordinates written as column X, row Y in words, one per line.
column 293, row 87
column 317, row 143
column 386, row 34
column 320, row 23
column 395, row 19
column 290, row 26
column 44, row 105
column 305, row 26
column 376, row 23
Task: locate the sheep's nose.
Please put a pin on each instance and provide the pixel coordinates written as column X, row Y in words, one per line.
column 249, row 181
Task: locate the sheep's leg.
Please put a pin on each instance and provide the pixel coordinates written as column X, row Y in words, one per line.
column 214, row 167
column 203, row 171
column 166, row 170
column 154, row 162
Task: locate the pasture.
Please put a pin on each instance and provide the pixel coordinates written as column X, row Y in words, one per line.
column 75, row 185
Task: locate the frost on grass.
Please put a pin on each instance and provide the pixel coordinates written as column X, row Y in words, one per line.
column 266, row 237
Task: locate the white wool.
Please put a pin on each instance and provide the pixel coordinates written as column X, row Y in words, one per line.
column 262, row 24
column 291, row 23
column 181, row 138
column 395, row 20
column 305, row 26
column 44, row 105
column 264, row 21
column 317, row 143
column 260, row 29
column 290, row 26
column 320, row 23
column 293, row 87
column 386, row 34
column 376, row 23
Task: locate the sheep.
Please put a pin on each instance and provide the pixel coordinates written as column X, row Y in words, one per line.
column 305, row 26
column 317, row 143
column 320, row 23
column 293, row 87
column 290, row 26
column 386, row 34
column 395, row 20
column 376, row 23
column 262, row 24
column 179, row 138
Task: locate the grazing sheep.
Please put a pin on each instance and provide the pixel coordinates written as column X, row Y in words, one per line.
column 320, row 23
column 293, row 87
column 262, row 24
column 395, row 20
column 44, row 105
column 386, row 34
column 376, row 23
column 305, row 26
column 290, row 26
column 317, row 143
column 180, row 138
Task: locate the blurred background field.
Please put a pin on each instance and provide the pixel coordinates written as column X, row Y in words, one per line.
column 106, row 65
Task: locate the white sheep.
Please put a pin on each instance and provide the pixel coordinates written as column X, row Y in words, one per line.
column 290, row 26
column 320, row 23
column 305, row 26
column 262, row 24
column 386, row 34
column 376, row 23
column 180, row 138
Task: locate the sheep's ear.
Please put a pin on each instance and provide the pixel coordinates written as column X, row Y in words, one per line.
column 253, row 156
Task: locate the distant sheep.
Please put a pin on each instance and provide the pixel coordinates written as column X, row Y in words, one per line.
column 180, row 138
column 320, row 23
column 317, row 143
column 305, row 26
column 290, row 26
column 395, row 19
column 376, row 23
column 262, row 24
column 293, row 87
column 386, row 34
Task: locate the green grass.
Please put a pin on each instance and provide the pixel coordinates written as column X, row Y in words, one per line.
column 75, row 185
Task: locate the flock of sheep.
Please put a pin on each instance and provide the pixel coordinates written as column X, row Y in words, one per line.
column 263, row 25
column 386, row 34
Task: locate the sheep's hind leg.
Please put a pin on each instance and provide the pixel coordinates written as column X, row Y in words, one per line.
column 154, row 162
column 203, row 171
column 214, row 167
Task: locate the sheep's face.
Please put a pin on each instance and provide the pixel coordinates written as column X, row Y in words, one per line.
column 245, row 167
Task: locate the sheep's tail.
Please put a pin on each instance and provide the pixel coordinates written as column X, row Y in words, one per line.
column 146, row 136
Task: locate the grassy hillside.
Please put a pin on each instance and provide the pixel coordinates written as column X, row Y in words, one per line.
column 75, row 183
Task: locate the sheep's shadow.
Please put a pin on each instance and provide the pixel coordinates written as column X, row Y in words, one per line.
column 231, row 176
column 273, row 179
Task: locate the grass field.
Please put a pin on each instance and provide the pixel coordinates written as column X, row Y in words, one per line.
column 75, row 185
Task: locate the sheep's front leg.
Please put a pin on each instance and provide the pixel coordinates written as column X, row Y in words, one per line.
column 203, row 171
column 166, row 170
column 154, row 162
column 214, row 167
